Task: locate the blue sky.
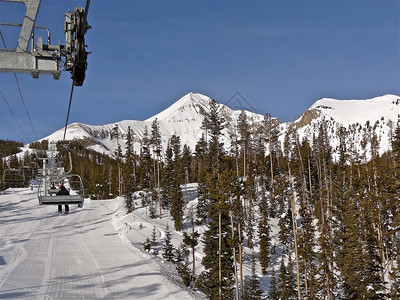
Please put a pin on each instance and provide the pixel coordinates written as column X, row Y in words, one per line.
column 281, row 56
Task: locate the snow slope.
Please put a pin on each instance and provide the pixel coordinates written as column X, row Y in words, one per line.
column 381, row 113
column 44, row 255
column 347, row 112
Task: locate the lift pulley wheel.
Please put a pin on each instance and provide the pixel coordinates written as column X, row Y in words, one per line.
column 80, row 54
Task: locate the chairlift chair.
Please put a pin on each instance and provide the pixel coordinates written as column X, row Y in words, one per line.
column 47, row 195
column 29, row 172
column 53, row 176
column 13, row 178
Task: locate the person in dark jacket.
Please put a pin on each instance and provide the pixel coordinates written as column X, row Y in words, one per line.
column 63, row 191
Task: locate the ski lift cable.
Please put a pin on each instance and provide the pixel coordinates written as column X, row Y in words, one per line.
column 69, row 109
column 2, row 38
column 20, row 92
column 23, row 102
column 8, row 125
column 86, row 11
column 19, row 125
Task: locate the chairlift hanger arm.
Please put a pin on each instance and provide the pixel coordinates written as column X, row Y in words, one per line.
column 46, row 59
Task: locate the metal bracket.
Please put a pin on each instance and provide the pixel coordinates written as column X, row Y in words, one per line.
column 46, row 59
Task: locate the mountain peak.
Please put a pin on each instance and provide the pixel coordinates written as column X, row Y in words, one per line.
column 186, row 104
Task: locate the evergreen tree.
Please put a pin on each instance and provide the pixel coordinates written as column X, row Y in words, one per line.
column 154, row 236
column 203, row 196
column 217, row 278
column 265, row 244
column 244, row 140
column 129, row 171
column 145, row 162
column 115, row 134
column 273, row 293
column 167, row 178
column 177, row 201
column 191, row 240
column 286, row 281
column 155, row 141
column 168, row 248
column 184, row 271
column 202, row 189
column 252, row 286
column 152, row 205
column 214, row 123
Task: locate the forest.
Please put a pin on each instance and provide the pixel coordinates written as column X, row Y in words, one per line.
column 337, row 210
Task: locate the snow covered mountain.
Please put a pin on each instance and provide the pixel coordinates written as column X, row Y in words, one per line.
column 184, row 118
column 380, row 114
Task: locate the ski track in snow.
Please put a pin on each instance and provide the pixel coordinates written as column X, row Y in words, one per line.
column 83, row 255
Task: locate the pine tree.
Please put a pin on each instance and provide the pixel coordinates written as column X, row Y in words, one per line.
column 155, row 141
column 153, row 205
column 286, row 281
column 191, row 240
column 184, row 271
column 307, row 255
column 145, row 162
column 271, row 136
column 273, row 293
column 202, row 189
column 203, row 196
column 115, row 134
column 244, row 140
column 265, row 244
column 214, row 123
column 252, row 289
column 129, row 171
column 167, row 178
column 154, row 236
column 168, row 248
column 217, row 279
column 177, row 200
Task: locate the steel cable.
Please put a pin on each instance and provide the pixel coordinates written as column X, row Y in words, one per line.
column 23, row 102
column 69, row 108
column 20, row 92
column 8, row 125
column 19, row 125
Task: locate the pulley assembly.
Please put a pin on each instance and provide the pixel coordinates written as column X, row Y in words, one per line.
column 47, row 59
column 75, row 28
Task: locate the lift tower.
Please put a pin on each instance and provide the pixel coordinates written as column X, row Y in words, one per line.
column 46, row 58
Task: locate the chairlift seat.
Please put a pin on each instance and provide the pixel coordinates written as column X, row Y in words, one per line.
column 61, row 200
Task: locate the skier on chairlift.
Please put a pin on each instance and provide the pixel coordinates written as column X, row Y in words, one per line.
column 63, row 191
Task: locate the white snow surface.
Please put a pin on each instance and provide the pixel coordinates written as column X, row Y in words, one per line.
column 379, row 112
column 347, row 112
column 92, row 253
